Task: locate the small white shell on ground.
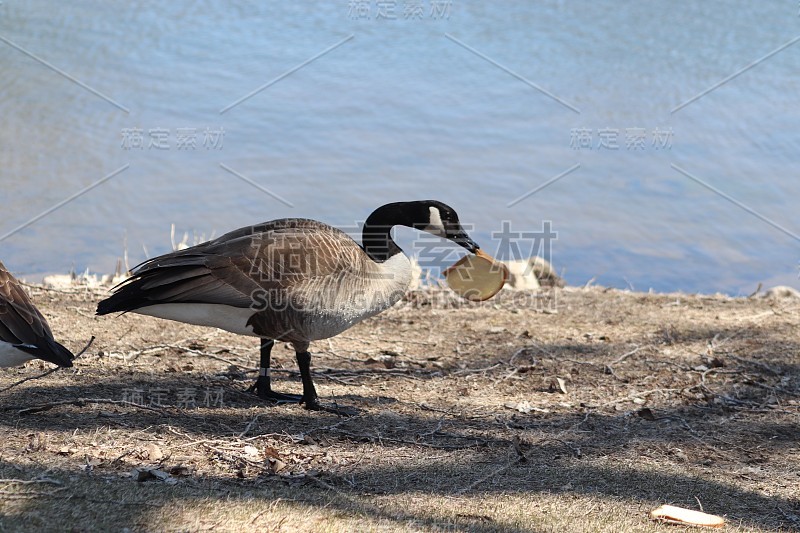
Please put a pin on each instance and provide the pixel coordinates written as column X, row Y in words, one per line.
column 679, row 515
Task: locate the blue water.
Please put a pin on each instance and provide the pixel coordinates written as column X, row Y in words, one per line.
column 402, row 109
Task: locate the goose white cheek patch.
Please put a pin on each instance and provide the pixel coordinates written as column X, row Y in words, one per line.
column 435, row 225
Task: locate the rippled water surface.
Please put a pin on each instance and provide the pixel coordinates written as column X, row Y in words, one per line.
column 473, row 103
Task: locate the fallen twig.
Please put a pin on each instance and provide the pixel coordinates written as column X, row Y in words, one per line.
column 249, row 425
column 78, row 402
column 475, row 370
column 624, row 356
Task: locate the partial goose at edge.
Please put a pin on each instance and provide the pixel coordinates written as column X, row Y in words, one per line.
column 24, row 332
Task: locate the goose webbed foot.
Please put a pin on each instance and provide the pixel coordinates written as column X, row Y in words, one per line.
column 309, row 399
column 264, row 391
column 311, row 404
column 314, row 405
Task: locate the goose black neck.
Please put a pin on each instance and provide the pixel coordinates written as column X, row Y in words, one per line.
column 376, row 237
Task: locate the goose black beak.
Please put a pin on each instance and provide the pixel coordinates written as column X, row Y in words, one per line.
column 462, row 239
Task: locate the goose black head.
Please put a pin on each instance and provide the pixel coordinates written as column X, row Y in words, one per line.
column 442, row 220
column 425, row 215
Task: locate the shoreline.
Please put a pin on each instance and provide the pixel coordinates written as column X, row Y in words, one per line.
column 105, row 282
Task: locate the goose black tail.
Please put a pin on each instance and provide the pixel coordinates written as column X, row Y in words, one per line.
column 164, row 284
column 121, row 302
column 128, row 296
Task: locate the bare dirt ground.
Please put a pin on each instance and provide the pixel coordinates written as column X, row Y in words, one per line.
column 580, row 413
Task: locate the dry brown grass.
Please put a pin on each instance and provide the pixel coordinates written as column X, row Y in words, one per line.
column 669, row 399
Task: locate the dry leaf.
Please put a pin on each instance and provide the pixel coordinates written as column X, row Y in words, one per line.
column 558, row 384
column 271, row 452
column 276, row 465
column 516, row 406
column 681, row 516
column 153, row 452
column 252, row 451
column 146, row 474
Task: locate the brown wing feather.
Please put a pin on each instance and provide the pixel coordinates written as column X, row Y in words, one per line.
column 290, row 256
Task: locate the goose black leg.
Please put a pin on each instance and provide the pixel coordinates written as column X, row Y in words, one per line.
column 262, row 386
column 310, row 392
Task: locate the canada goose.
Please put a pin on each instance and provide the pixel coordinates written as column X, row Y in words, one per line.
column 24, row 333
column 292, row 279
